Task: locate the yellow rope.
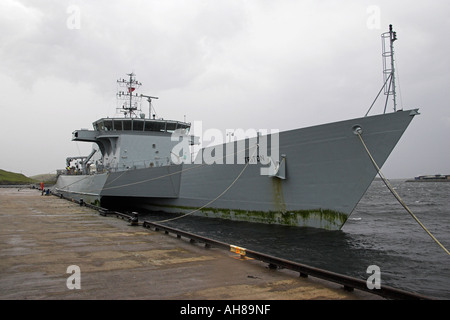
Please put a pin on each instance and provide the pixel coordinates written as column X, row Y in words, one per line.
column 386, row 182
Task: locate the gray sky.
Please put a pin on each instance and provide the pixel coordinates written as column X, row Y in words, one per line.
column 232, row 64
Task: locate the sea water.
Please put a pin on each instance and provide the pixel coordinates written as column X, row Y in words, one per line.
column 379, row 232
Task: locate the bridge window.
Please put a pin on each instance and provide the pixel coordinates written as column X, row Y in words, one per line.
column 117, row 124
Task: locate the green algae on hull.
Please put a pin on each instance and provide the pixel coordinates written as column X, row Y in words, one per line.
column 319, row 218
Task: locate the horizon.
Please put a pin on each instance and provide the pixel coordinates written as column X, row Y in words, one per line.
column 278, row 65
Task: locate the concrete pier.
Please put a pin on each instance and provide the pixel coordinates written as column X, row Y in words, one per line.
column 44, row 239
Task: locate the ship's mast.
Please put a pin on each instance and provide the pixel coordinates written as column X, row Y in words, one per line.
column 388, row 39
column 131, row 100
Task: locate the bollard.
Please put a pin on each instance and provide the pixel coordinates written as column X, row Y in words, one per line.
column 134, row 220
column 239, row 250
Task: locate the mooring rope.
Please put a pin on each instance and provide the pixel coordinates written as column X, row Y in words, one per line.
column 151, row 179
column 183, row 170
column 386, row 182
column 216, row 198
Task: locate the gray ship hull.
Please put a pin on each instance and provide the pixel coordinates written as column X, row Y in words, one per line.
column 326, row 172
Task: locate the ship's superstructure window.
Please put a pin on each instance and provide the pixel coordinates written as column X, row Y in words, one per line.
column 126, row 125
column 171, row 126
column 155, row 126
column 138, row 125
column 108, row 125
column 118, row 124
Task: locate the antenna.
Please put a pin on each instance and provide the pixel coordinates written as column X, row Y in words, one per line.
column 129, row 106
column 387, row 42
column 149, row 99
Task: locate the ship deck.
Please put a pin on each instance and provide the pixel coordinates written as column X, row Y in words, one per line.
column 41, row 236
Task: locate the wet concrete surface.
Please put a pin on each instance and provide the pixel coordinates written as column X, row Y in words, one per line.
column 42, row 236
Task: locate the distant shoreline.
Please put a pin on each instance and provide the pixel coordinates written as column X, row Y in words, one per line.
column 428, row 180
column 417, row 179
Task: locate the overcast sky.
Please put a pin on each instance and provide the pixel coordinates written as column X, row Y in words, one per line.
column 231, row 64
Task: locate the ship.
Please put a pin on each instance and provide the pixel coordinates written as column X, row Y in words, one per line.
column 431, row 178
column 305, row 177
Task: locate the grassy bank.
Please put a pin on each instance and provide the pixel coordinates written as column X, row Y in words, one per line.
column 7, row 178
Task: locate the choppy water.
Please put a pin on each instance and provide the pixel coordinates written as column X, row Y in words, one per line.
column 379, row 232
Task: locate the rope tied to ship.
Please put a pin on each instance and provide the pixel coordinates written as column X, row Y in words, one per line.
column 151, row 179
column 219, row 196
column 397, row 197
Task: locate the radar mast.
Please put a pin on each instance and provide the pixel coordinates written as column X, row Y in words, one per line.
column 129, row 101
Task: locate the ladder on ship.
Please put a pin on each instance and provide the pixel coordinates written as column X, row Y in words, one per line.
column 389, row 88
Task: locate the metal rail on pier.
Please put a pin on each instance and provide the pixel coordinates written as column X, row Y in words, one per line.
column 349, row 283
